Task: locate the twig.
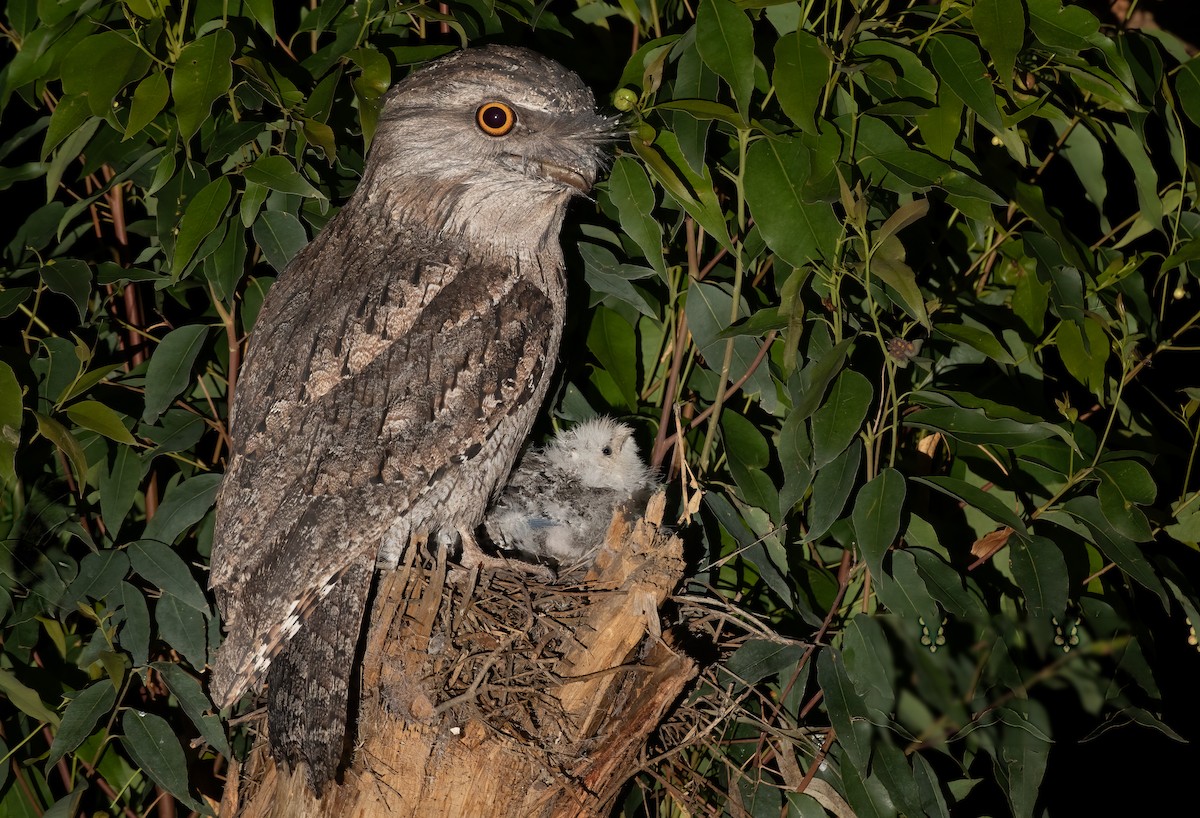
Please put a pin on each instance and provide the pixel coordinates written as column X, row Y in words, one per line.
column 738, row 384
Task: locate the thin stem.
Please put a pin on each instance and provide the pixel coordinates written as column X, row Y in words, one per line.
column 735, row 303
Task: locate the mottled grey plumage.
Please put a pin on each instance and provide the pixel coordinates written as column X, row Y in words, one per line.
column 394, row 370
column 560, row 500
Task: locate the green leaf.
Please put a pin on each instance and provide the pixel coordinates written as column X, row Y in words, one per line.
column 809, row 388
column 978, row 498
column 134, row 635
column 1084, row 516
column 321, row 136
column 152, row 745
column 65, row 442
column 876, row 516
column 802, row 69
column 159, row 564
column 725, row 40
column 757, row 325
column 99, row 418
column 1000, row 25
column 756, row 660
column 945, row 584
column 890, row 767
column 911, row 170
column 941, row 126
column 203, row 73
column 799, row 231
column 1066, row 28
column 1084, row 353
column 693, row 81
column 870, row 665
column 831, row 489
column 170, row 370
column 956, row 61
column 263, row 12
column 108, row 272
column 70, row 113
column 1022, row 755
column 376, row 72
column 179, row 431
column 100, row 572
column 200, row 219
column 1057, row 244
column 906, row 215
column 1187, row 89
column 11, row 413
column 67, row 806
column 1039, row 569
column 708, row 309
column 846, row 711
column 1123, row 485
column 974, row 426
column 1132, row 147
column 613, row 341
column 278, row 173
column 630, row 190
column 1131, row 478
column 795, row 458
column 149, row 98
column 703, row 109
column 12, row 298
column 694, row 191
column 1104, row 88
column 838, row 422
column 119, row 488
column 1186, row 252
column 80, row 717
column 183, row 506
column 754, row 552
column 280, row 235
column 903, row 591
column 866, row 794
column 70, row 277
column 26, row 699
column 85, row 380
column 183, row 628
column 915, row 81
column 100, row 66
column 980, row 339
column 223, row 269
column 903, row 281
column 191, row 697
column 1086, row 156
column 607, row 278
column 748, row 454
column 252, row 200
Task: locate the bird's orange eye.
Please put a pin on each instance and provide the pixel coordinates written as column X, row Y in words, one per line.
column 495, row 118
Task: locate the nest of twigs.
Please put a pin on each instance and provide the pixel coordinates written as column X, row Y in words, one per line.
column 499, row 647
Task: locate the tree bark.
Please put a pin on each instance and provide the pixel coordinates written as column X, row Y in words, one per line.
column 493, row 696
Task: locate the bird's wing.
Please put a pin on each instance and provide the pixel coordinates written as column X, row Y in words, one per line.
column 381, row 385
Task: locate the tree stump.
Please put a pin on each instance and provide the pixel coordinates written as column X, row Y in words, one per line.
column 490, row 695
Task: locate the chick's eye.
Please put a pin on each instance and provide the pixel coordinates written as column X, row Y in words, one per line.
column 606, row 451
column 495, row 118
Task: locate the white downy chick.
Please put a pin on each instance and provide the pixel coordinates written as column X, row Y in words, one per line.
column 560, row 500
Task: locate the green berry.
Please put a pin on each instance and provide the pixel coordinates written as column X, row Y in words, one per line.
column 625, row 100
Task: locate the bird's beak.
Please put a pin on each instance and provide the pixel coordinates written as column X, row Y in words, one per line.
column 567, row 176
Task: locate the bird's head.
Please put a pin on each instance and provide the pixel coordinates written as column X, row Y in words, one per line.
column 600, row 453
column 494, row 136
